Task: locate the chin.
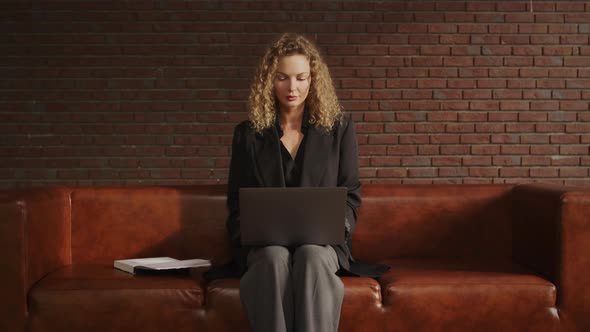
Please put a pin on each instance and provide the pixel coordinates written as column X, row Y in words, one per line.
column 291, row 104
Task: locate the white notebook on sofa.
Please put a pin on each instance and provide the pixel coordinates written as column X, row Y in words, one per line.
column 158, row 264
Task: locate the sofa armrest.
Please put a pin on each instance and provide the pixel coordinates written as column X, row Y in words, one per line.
column 34, row 240
column 551, row 235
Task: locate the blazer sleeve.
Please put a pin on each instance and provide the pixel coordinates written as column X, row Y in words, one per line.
column 235, row 178
column 348, row 174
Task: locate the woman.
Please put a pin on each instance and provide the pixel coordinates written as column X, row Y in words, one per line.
column 297, row 135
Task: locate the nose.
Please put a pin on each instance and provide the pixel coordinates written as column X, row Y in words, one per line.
column 292, row 85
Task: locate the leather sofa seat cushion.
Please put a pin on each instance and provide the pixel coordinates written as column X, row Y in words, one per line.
column 75, row 294
column 362, row 307
column 103, row 286
column 446, row 295
column 224, row 308
column 415, row 295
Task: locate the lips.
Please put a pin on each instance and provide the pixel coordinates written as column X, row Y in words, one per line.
column 291, row 98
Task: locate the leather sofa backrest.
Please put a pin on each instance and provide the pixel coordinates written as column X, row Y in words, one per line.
column 119, row 223
column 438, row 221
column 189, row 222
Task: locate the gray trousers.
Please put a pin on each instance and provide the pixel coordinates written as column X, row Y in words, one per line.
column 299, row 291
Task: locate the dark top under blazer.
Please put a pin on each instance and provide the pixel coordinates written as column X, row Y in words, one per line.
column 292, row 166
column 330, row 160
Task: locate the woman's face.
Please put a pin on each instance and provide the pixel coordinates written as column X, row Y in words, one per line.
column 292, row 81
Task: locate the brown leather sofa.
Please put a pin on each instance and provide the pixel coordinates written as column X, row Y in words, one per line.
column 463, row 258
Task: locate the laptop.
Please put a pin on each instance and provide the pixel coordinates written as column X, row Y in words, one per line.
column 292, row 215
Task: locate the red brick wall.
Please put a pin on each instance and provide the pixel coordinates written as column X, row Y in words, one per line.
column 128, row 92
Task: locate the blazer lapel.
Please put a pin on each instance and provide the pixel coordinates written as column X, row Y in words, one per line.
column 268, row 157
column 317, row 149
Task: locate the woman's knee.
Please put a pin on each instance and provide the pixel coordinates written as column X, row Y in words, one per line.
column 270, row 255
column 310, row 254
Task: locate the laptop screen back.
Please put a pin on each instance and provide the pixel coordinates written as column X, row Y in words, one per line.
column 292, row 216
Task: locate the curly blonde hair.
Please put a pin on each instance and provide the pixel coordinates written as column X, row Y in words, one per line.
column 324, row 108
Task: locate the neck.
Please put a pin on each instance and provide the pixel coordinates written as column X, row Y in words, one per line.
column 292, row 117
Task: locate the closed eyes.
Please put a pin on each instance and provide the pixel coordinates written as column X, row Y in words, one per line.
column 281, row 77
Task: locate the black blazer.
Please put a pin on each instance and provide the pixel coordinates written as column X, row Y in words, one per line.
column 330, row 160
